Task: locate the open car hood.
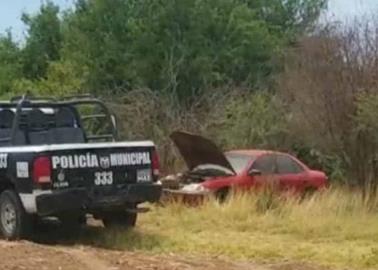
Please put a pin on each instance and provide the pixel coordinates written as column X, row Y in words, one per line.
column 197, row 151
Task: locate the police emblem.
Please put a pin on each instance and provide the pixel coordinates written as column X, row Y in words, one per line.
column 105, row 162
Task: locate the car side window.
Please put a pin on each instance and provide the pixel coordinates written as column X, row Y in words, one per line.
column 265, row 164
column 287, row 165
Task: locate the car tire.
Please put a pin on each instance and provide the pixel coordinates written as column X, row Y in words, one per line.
column 15, row 223
column 309, row 192
column 222, row 194
column 120, row 219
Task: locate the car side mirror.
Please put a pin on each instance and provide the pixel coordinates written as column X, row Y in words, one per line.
column 254, row 172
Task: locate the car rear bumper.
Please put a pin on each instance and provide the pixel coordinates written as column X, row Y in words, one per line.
column 81, row 199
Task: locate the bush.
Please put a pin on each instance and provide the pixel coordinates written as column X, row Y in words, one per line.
column 233, row 118
column 324, row 83
column 252, row 121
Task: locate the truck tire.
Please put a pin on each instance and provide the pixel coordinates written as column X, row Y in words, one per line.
column 120, row 219
column 15, row 223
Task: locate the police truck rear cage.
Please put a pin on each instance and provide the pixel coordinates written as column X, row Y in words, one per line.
column 19, row 104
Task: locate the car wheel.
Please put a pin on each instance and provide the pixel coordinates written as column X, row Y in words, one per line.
column 222, row 195
column 15, row 223
column 308, row 192
column 120, row 219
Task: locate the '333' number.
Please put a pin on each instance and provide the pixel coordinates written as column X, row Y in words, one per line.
column 103, row 178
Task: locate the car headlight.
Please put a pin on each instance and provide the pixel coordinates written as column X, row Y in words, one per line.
column 194, row 188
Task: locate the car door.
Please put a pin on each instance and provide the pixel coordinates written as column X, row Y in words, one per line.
column 291, row 174
column 261, row 173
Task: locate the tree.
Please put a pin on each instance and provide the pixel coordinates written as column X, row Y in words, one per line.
column 330, row 85
column 181, row 46
column 10, row 63
column 43, row 41
column 289, row 17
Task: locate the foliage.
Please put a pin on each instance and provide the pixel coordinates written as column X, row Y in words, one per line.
column 233, row 118
column 367, row 115
column 202, row 66
column 366, row 132
column 171, row 45
column 332, row 164
column 290, row 17
column 43, row 41
column 10, row 63
column 330, row 85
column 253, row 121
column 61, row 77
column 185, row 47
column 145, row 113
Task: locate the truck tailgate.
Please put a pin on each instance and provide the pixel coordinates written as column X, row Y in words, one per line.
column 101, row 168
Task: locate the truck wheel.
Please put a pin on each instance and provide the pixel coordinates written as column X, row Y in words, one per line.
column 120, row 219
column 15, row 223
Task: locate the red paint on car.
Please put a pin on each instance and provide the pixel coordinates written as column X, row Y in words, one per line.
column 256, row 168
column 243, row 169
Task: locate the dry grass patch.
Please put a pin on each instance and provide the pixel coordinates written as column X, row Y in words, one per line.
column 333, row 228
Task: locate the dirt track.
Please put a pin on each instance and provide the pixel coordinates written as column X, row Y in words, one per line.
column 30, row 256
column 52, row 250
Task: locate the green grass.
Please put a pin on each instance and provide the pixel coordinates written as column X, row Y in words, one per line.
column 333, row 228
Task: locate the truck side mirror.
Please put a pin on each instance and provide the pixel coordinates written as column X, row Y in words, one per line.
column 254, row 172
column 114, row 121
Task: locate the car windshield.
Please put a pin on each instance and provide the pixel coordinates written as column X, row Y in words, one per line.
column 239, row 162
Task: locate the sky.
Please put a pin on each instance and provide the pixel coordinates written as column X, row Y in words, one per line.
column 347, row 9
column 11, row 10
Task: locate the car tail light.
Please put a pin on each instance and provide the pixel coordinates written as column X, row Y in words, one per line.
column 42, row 170
column 155, row 164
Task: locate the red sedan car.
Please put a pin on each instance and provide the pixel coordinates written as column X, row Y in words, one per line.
column 211, row 170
